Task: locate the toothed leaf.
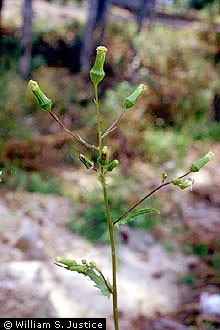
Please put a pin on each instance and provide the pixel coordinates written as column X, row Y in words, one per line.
column 90, row 270
column 99, row 282
column 131, row 216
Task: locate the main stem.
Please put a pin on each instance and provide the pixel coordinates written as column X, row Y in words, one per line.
column 114, row 275
column 110, row 223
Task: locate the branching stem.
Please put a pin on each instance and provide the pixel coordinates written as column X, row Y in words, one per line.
column 77, row 137
column 113, row 125
column 108, row 215
column 145, row 197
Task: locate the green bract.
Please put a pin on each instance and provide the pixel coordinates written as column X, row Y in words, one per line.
column 195, row 167
column 43, row 101
column 131, row 99
column 97, row 72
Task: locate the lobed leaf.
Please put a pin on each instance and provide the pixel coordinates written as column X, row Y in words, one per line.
column 99, row 282
column 131, row 216
column 89, row 270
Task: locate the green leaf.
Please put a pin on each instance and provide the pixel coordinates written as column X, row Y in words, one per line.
column 90, row 270
column 99, row 282
column 131, row 216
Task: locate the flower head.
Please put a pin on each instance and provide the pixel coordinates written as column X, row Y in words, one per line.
column 131, row 99
column 43, row 101
column 97, row 72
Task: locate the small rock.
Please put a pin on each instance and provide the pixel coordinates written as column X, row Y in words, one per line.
column 23, row 290
column 136, row 239
column 210, row 303
column 29, row 240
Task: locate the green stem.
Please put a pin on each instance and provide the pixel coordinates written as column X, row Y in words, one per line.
column 98, row 118
column 112, row 241
column 109, row 219
column 113, row 125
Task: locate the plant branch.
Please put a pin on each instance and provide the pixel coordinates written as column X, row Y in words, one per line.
column 77, row 137
column 145, row 197
column 84, row 271
column 112, row 127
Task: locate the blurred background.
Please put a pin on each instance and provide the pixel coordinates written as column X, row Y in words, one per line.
column 168, row 264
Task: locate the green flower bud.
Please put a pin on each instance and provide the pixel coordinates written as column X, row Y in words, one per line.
column 88, row 163
column 78, row 268
column 195, row 167
column 112, row 165
column 43, row 101
column 65, row 261
column 92, row 264
column 130, row 100
column 182, row 183
column 177, row 182
column 164, row 177
column 103, row 160
column 97, row 72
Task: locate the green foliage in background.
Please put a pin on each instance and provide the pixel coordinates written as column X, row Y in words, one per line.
column 181, row 73
column 181, row 78
column 12, row 108
column 199, row 249
column 200, row 4
column 17, row 179
column 90, row 220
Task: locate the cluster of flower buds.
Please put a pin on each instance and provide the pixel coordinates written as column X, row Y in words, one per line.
column 182, row 183
column 43, row 101
column 103, row 160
